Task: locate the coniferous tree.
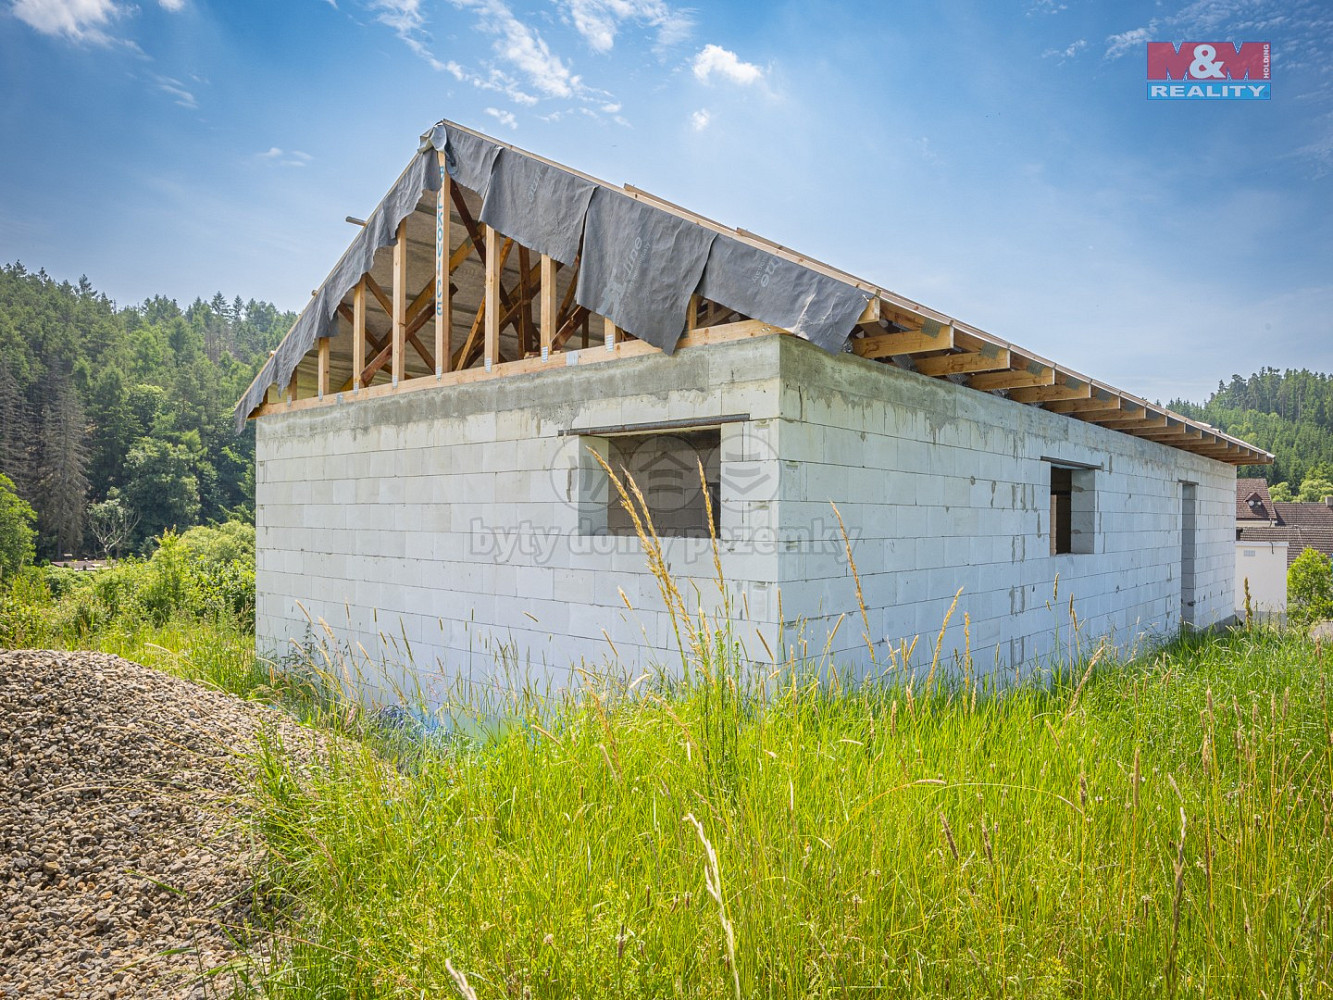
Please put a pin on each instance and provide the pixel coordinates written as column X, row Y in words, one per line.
column 62, row 485
column 16, row 434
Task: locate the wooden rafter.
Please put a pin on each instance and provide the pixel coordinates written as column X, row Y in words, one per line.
column 931, row 336
column 1126, row 410
column 444, row 302
column 569, row 327
column 494, row 267
column 1100, row 399
column 322, row 368
column 465, row 355
column 547, row 309
column 358, row 332
column 1108, row 411
column 1144, row 422
column 399, row 314
column 1030, row 374
column 1066, row 388
column 963, row 364
column 525, row 330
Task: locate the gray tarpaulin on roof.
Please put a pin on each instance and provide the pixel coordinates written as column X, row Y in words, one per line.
column 468, row 158
column 770, row 288
column 640, row 266
column 318, row 319
column 540, row 206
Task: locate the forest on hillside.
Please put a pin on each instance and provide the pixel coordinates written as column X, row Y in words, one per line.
column 115, row 422
column 1289, row 413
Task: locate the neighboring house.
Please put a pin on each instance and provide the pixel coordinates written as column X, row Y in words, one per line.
column 1270, row 535
column 427, row 436
column 1261, row 551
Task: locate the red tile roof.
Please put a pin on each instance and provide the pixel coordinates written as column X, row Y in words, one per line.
column 1301, row 525
column 1252, row 501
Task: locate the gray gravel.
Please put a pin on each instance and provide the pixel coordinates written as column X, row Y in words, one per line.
column 123, row 869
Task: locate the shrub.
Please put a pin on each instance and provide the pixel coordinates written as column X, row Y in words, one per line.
column 16, row 529
column 229, row 542
column 1310, row 587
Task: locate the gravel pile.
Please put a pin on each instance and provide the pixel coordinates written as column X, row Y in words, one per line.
column 123, row 872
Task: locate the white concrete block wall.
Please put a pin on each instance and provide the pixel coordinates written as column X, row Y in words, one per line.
column 449, row 520
column 960, row 498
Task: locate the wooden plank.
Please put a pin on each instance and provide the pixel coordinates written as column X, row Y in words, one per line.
column 610, row 334
column 1067, row 388
column 569, row 327
column 526, row 336
column 547, row 308
column 379, row 294
column 740, row 329
column 625, row 349
column 962, row 364
column 1144, row 422
column 931, row 337
column 1127, row 410
column 1033, row 373
column 461, row 254
column 358, row 332
column 692, row 315
column 871, row 313
column 399, row 313
column 1100, row 399
column 444, row 299
column 322, row 367
column 423, row 351
column 567, row 302
column 1096, row 416
column 491, row 347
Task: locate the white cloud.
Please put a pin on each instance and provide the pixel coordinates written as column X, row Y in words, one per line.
column 503, row 117
column 700, row 119
column 1068, row 52
column 715, row 59
column 172, row 5
column 284, row 158
column 77, row 20
column 176, row 89
column 408, row 23
column 599, row 20
column 522, row 48
column 1128, row 41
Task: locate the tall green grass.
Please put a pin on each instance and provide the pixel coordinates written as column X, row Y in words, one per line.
column 1162, row 831
column 1153, row 828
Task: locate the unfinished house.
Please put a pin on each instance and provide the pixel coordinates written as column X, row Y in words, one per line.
column 427, row 436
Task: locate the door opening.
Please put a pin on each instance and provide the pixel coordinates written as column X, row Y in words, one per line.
column 1188, row 494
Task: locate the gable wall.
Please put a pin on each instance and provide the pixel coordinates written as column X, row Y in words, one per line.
column 449, row 522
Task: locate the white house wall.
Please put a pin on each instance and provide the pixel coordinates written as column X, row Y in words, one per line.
column 942, row 488
column 1264, row 566
column 449, row 521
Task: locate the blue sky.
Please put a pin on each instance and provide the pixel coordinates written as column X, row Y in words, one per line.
column 997, row 161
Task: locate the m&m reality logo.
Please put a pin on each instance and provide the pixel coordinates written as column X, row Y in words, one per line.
column 1209, row 71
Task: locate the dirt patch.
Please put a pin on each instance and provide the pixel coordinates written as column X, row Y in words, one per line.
column 123, row 869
